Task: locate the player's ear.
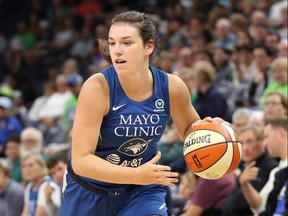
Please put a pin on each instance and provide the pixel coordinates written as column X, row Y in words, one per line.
column 149, row 47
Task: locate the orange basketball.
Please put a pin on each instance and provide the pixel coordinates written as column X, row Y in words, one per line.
column 212, row 150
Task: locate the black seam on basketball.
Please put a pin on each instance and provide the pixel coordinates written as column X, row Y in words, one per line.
column 207, row 146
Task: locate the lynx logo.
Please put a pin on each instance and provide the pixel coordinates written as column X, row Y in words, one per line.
column 134, row 147
column 159, row 104
column 196, row 161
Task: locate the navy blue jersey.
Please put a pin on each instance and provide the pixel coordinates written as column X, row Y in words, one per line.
column 130, row 130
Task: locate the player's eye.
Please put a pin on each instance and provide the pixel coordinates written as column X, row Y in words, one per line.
column 111, row 43
column 127, row 43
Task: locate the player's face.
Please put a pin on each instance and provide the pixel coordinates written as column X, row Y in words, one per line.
column 127, row 51
column 251, row 147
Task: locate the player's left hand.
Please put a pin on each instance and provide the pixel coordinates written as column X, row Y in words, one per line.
column 209, row 119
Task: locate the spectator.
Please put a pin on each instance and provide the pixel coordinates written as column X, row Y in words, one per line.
column 188, row 76
column 32, row 142
column 57, row 165
column 186, row 187
column 9, row 124
column 275, row 140
column 283, row 48
column 243, row 38
column 12, row 152
column 240, row 118
column 224, row 38
column 208, row 93
column 224, row 71
column 11, row 193
column 83, row 47
column 75, row 83
column 208, row 196
column 275, row 105
column 272, row 40
column 56, row 102
column 257, row 118
column 35, row 171
column 279, row 68
column 252, row 150
column 39, row 104
column 283, row 30
column 261, row 79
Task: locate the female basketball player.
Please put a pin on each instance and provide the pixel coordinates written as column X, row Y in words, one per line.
column 121, row 115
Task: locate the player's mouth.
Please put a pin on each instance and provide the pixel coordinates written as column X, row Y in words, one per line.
column 120, row 61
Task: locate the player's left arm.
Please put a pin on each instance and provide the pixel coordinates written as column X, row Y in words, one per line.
column 182, row 111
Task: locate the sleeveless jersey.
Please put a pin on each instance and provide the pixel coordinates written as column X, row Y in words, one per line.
column 130, row 130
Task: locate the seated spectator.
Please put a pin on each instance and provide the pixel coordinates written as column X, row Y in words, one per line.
column 208, row 93
column 208, row 196
column 275, row 140
column 35, row 171
column 283, row 48
column 257, row 118
column 279, row 68
column 277, row 200
column 56, row 102
column 224, row 38
column 9, row 124
column 261, row 79
column 39, row 103
column 185, row 190
column 75, row 83
column 252, row 150
column 12, row 152
column 240, row 119
column 275, row 105
column 32, row 142
column 188, row 76
column 11, row 193
column 57, row 165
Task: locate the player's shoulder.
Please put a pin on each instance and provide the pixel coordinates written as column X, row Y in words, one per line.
column 176, row 84
column 95, row 82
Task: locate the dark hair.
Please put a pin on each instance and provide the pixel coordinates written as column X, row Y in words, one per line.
column 280, row 122
column 52, row 161
column 268, row 51
column 14, row 138
column 142, row 21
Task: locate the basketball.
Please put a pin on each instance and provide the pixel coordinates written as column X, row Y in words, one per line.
column 212, row 150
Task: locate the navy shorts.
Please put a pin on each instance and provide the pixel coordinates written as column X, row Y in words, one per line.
column 141, row 201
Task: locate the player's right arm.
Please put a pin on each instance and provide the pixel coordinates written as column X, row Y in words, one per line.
column 93, row 104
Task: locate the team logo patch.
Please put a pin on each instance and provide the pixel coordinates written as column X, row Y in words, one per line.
column 159, row 104
column 134, row 147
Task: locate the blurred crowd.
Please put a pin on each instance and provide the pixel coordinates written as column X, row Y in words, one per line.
column 231, row 54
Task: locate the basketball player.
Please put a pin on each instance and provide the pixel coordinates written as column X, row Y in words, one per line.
column 121, row 115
